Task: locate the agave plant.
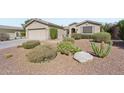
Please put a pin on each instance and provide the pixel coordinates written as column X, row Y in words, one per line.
column 102, row 50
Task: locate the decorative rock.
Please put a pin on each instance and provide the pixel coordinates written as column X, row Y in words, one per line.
column 83, row 56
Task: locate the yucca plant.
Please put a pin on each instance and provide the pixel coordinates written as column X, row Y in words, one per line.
column 102, row 50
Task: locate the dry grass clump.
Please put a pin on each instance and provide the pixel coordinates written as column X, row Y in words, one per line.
column 8, row 55
column 41, row 54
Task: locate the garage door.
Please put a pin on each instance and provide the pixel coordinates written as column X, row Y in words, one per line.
column 38, row 34
column 12, row 35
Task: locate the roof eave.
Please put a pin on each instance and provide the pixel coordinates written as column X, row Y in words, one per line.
column 49, row 24
column 96, row 23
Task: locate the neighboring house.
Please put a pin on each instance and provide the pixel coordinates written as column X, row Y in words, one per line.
column 86, row 28
column 13, row 32
column 37, row 29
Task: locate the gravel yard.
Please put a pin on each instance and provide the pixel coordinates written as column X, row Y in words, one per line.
column 63, row 65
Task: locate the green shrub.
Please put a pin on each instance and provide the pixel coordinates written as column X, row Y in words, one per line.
column 8, row 55
column 4, row 36
column 102, row 36
column 23, row 34
column 41, row 54
column 87, row 36
column 30, row 44
column 77, row 36
column 67, row 48
column 67, row 39
column 53, row 33
column 102, row 50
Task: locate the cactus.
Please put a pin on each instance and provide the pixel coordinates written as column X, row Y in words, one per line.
column 102, row 50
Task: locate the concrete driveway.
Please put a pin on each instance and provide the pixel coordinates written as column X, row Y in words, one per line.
column 12, row 43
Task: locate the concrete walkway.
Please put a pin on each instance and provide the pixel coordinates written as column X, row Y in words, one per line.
column 12, row 43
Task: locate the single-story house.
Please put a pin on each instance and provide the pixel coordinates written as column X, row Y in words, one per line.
column 13, row 32
column 38, row 29
column 87, row 27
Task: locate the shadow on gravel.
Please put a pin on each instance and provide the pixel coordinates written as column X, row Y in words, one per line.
column 118, row 43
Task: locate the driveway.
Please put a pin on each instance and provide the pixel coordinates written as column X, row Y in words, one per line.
column 12, row 43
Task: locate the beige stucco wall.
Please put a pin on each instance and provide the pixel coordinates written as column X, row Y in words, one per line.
column 11, row 33
column 61, row 34
column 35, row 25
column 96, row 28
column 14, row 36
column 70, row 27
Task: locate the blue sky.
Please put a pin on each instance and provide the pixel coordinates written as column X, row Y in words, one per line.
column 59, row 21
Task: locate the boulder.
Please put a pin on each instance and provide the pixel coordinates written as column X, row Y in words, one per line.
column 83, row 57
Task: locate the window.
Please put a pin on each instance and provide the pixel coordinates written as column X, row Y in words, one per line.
column 87, row 29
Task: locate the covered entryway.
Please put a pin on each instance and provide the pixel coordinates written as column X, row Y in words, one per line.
column 73, row 30
column 38, row 34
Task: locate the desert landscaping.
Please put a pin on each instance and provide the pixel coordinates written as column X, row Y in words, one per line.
column 62, row 64
column 44, row 48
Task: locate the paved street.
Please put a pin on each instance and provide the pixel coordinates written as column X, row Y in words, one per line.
column 12, row 43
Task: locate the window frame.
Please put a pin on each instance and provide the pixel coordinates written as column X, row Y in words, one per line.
column 86, row 31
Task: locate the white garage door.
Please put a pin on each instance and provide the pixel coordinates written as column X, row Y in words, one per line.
column 38, row 34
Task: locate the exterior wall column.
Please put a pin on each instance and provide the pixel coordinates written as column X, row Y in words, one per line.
column 69, row 33
column 27, row 34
